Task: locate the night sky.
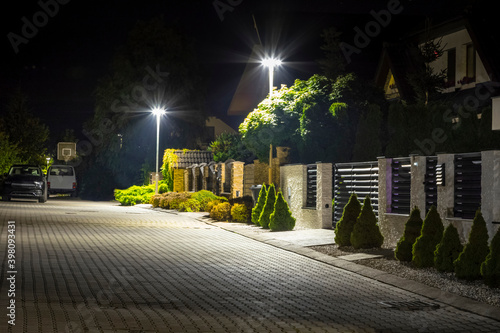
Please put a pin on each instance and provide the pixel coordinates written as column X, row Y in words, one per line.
column 59, row 67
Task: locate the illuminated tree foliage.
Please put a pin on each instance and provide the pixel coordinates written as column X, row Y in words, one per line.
column 343, row 228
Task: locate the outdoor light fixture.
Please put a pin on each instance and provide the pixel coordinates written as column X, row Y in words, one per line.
column 271, row 63
column 158, row 112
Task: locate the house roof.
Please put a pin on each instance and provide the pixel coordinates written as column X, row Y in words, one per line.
column 251, row 89
column 190, row 157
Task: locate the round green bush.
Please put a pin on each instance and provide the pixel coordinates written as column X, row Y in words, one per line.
column 240, row 213
column 190, row 205
column 468, row 263
column 343, row 228
column 447, row 250
column 268, row 207
column 412, row 230
column 221, row 212
column 281, row 218
column 425, row 245
column 366, row 233
column 490, row 268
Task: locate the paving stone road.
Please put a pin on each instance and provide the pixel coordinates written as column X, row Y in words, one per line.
column 98, row 267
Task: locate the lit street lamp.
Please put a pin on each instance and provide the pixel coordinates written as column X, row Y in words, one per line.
column 271, row 63
column 158, row 112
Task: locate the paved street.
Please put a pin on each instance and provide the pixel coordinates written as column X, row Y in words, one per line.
column 97, row 267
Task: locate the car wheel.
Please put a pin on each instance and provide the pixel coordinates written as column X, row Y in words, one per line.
column 43, row 198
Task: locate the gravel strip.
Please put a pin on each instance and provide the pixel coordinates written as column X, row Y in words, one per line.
column 476, row 290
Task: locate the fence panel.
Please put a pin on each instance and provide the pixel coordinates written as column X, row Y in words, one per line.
column 401, row 185
column 360, row 178
column 467, row 185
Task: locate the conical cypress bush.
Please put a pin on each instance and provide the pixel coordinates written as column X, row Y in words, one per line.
column 413, row 227
column 468, row 263
column 366, row 233
column 281, row 219
column 447, row 250
column 343, row 229
column 490, row 268
column 261, row 201
column 268, row 207
column 425, row 244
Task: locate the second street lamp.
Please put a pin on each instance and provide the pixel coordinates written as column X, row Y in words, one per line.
column 158, row 112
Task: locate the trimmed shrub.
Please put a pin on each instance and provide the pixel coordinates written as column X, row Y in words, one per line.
column 155, row 200
column 281, row 218
column 344, row 227
column 221, row 212
column 430, row 236
column 240, row 212
column 412, row 230
column 366, row 233
column 490, row 268
column 261, row 201
column 268, row 207
column 204, row 197
column 172, row 200
column 212, row 204
column 468, row 263
column 190, row 205
column 447, row 250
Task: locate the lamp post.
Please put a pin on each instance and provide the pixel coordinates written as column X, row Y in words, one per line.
column 158, row 112
column 271, row 64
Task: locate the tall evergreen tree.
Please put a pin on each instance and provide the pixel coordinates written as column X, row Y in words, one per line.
column 468, row 263
column 366, row 233
column 447, row 250
column 281, row 218
column 425, row 245
column 490, row 268
column 343, row 228
column 268, row 207
column 261, row 201
column 413, row 227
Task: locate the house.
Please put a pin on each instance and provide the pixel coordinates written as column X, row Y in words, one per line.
column 470, row 61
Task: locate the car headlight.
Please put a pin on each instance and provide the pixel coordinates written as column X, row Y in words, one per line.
column 38, row 184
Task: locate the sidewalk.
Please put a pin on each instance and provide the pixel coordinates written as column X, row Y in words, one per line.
column 298, row 241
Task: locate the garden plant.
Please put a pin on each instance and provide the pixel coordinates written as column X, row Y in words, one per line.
column 268, row 207
column 261, row 201
column 430, row 236
column 281, row 218
column 447, row 250
column 344, row 227
column 412, row 230
column 490, row 268
column 366, row 233
column 468, row 263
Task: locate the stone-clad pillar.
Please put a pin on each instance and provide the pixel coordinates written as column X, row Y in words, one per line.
column 237, row 179
column 490, row 190
column 324, row 194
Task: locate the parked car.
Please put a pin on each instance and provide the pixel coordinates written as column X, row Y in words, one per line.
column 25, row 181
column 61, row 179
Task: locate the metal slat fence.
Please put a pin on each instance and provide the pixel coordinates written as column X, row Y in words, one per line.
column 467, row 185
column 360, row 178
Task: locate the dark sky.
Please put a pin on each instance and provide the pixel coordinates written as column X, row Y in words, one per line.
column 60, row 64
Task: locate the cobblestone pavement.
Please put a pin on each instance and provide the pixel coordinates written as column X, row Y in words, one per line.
column 98, row 267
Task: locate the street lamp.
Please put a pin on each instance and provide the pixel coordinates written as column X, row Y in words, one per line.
column 158, row 112
column 271, row 63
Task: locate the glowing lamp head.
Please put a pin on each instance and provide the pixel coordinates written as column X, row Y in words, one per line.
column 271, row 62
column 158, row 111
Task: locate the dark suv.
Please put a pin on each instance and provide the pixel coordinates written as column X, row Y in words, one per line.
column 25, row 181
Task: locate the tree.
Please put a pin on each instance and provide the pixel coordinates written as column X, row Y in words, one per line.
column 268, row 208
column 468, row 263
column 281, row 218
column 333, row 64
column 229, row 146
column 430, row 236
column 24, row 130
column 490, row 268
column 8, row 155
column 366, row 233
column 156, row 67
column 412, row 230
column 368, row 145
column 447, row 250
column 343, row 228
column 261, row 201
